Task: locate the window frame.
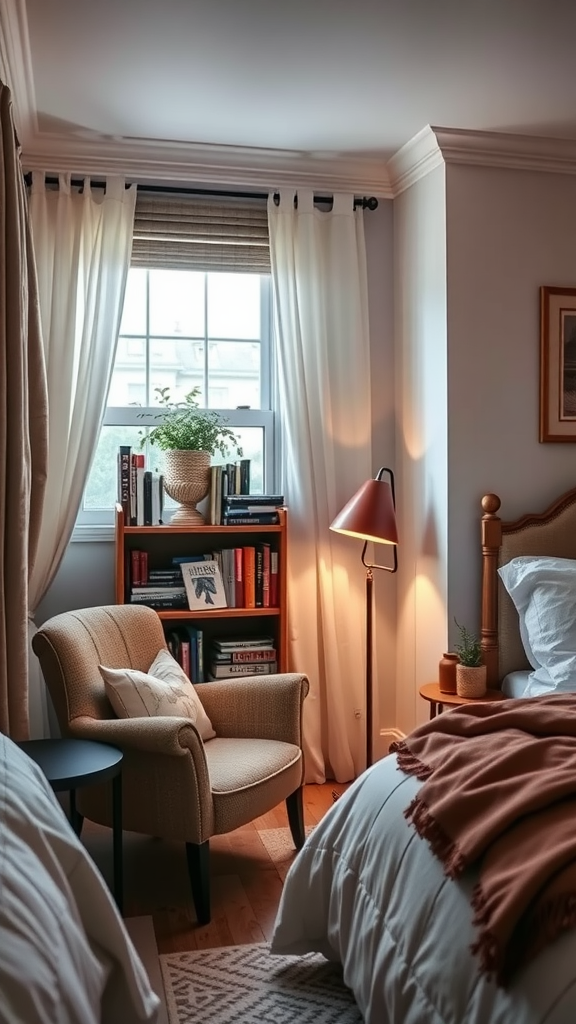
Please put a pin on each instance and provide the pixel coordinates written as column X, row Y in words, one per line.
column 98, row 524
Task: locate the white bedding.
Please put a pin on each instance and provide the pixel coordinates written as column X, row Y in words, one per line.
column 366, row 890
column 65, row 956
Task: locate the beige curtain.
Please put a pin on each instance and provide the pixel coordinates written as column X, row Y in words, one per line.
column 23, row 428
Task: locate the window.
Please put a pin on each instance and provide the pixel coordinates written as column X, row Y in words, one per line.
column 183, row 329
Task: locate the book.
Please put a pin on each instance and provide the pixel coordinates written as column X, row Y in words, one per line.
column 261, row 668
column 274, row 585
column 135, row 572
column 238, row 579
column 266, row 549
column 246, row 656
column 140, row 466
column 133, row 465
column 259, row 577
column 244, row 476
column 277, row 500
column 228, row 576
column 165, row 591
column 124, row 473
column 250, row 519
column 242, row 641
column 204, row 586
column 175, row 601
column 147, row 498
column 249, row 509
column 249, row 569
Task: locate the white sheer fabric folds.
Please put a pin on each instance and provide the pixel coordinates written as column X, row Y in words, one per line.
column 319, row 275
column 82, row 243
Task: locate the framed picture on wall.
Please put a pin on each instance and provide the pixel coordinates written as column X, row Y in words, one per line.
column 557, row 364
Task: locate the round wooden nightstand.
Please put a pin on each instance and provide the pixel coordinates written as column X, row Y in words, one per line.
column 438, row 700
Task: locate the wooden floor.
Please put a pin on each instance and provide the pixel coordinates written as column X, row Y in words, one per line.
column 246, row 883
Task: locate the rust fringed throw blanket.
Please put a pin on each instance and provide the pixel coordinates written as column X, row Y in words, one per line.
column 499, row 793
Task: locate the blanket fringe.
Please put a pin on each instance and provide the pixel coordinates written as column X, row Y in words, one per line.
column 408, row 763
column 440, row 843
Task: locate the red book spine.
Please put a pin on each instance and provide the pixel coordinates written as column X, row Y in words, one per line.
column 185, row 656
column 238, row 578
column 143, row 568
column 273, row 579
column 135, row 574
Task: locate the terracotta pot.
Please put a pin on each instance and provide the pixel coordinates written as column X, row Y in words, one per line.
column 447, row 672
column 471, row 681
column 187, row 481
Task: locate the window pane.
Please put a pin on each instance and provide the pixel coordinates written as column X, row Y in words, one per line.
column 234, row 305
column 176, row 302
column 234, row 374
column 177, row 364
column 134, row 312
column 129, row 374
column 251, row 440
column 102, row 486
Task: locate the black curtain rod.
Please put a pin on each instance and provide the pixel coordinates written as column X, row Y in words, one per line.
column 365, row 202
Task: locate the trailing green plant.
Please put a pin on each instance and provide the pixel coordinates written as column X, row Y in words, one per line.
column 468, row 650
column 187, row 427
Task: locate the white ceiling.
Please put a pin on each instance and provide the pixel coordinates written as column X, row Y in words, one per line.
column 278, row 85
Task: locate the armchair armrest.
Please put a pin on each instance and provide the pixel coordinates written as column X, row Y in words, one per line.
column 161, row 735
column 258, row 707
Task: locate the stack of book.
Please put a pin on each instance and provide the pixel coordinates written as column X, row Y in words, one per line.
column 251, row 509
column 242, row 657
column 158, row 588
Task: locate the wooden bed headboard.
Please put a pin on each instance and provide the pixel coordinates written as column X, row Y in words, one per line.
column 552, row 532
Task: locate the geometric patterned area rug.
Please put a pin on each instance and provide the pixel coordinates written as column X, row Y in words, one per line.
column 280, row 846
column 247, row 985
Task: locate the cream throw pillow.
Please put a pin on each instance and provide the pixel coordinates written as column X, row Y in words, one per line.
column 164, row 690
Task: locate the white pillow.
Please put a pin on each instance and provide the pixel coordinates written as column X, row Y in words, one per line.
column 164, row 690
column 543, row 590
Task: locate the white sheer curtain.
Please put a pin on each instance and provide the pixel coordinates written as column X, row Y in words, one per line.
column 319, row 275
column 82, row 244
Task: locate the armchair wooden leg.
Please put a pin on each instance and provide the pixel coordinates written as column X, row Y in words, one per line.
column 198, row 857
column 296, row 817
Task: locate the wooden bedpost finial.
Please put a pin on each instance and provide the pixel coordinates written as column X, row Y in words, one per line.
column 491, row 503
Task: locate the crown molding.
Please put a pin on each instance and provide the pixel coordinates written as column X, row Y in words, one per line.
column 414, row 160
column 153, row 160
column 434, row 145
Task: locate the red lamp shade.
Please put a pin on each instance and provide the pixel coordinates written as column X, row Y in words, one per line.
column 369, row 515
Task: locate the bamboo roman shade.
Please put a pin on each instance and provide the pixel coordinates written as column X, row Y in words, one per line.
column 181, row 232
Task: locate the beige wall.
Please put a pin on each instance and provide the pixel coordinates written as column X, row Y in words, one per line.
column 421, row 438
column 508, row 232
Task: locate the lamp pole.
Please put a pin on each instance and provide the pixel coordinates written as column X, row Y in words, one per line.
column 369, row 683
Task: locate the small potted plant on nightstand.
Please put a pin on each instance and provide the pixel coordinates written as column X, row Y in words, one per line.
column 470, row 672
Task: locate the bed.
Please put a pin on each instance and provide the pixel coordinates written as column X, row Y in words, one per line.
column 366, row 890
column 65, row 955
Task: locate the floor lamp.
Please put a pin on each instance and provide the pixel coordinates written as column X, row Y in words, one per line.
column 370, row 515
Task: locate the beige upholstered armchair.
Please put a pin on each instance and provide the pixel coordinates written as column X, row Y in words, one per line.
column 176, row 786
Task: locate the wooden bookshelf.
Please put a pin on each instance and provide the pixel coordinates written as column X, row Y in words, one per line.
column 162, row 543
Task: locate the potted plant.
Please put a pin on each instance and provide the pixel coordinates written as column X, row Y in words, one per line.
column 190, row 436
column 470, row 671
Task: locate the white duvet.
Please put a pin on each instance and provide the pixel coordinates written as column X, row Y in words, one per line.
column 366, row 890
column 65, row 956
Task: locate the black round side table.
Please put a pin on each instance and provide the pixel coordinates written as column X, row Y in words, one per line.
column 69, row 764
